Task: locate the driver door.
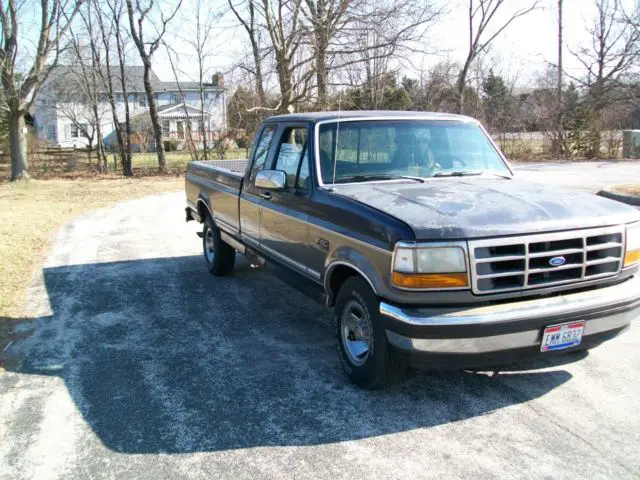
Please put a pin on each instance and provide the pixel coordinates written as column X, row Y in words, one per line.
column 283, row 224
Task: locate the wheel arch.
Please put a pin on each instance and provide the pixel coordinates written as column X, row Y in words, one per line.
column 203, row 208
column 336, row 273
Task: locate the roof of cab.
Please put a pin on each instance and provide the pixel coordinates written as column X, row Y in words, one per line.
column 364, row 114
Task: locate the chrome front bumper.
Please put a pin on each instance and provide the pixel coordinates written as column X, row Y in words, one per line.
column 510, row 326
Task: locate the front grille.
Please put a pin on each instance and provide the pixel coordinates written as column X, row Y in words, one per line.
column 532, row 261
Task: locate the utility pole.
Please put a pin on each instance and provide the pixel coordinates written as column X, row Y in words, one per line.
column 559, row 106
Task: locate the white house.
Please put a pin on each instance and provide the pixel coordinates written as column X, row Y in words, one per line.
column 63, row 116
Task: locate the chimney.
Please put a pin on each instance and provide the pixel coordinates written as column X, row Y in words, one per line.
column 218, row 80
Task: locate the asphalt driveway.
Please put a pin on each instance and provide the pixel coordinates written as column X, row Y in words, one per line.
column 587, row 176
column 136, row 363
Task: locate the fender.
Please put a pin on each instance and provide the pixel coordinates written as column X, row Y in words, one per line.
column 358, row 261
column 204, row 202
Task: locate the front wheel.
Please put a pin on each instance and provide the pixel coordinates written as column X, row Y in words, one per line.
column 364, row 351
column 220, row 256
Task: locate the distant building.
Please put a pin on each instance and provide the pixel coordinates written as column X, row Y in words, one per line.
column 63, row 115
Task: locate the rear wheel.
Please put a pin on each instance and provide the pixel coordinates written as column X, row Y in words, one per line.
column 219, row 255
column 364, row 351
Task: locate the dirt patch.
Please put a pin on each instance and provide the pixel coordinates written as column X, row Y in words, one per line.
column 631, row 189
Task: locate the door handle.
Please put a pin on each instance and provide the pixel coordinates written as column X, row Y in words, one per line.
column 266, row 195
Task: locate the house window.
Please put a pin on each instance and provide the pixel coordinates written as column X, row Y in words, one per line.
column 118, row 97
column 165, row 127
column 74, row 131
column 142, row 100
column 174, row 98
column 51, row 132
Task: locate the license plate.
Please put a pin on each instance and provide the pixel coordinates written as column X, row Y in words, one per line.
column 559, row 337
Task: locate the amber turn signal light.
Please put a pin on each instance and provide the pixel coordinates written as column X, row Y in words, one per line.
column 632, row 258
column 430, row 280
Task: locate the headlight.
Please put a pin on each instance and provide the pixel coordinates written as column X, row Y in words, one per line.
column 632, row 254
column 426, row 267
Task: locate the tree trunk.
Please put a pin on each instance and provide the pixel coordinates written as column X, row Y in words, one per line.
column 285, row 81
column 101, row 152
column 127, row 165
column 127, row 168
column 460, row 85
column 322, row 74
column 102, row 159
column 18, row 146
column 155, row 119
column 204, row 129
column 262, row 97
column 89, row 150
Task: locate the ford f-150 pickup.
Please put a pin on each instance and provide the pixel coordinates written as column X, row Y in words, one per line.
column 425, row 244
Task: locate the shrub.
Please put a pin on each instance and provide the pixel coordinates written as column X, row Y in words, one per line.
column 170, row 145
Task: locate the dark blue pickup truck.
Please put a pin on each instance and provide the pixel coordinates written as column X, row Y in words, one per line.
column 427, row 247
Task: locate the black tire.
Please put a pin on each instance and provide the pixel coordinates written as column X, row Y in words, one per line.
column 221, row 257
column 381, row 365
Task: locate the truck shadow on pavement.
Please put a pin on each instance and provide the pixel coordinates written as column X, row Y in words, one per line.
column 159, row 356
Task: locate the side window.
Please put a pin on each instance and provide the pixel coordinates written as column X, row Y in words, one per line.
column 292, row 149
column 262, row 149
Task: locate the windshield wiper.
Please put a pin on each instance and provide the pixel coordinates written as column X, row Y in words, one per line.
column 377, row 176
column 457, row 173
column 469, row 173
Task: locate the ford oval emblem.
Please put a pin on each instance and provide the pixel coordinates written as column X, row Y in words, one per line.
column 557, row 261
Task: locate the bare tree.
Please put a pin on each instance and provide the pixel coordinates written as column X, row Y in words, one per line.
column 327, row 19
column 21, row 87
column 76, row 105
column 287, row 34
column 142, row 128
column 117, row 8
column 202, row 45
column 147, row 46
column 558, row 143
column 110, row 33
column 608, row 62
column 191, row 146
column 251, row 27
column 613, row 51
column 375, row 38
column 481, row 16
column 85, row 58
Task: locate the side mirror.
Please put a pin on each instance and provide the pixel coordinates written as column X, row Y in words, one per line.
column 271, row 179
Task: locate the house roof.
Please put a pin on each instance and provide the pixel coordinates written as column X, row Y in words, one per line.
column 134, row 75
column 177, row 110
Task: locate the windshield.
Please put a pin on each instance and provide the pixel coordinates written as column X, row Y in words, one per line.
column 389, row 149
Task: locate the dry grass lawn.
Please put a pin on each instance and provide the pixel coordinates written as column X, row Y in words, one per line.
column 31, row 211
column 627, row 189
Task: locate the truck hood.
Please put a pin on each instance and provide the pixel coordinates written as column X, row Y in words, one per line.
column 473, row 207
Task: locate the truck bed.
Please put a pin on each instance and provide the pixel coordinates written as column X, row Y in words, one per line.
column 219, row 183
column 226, row 172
